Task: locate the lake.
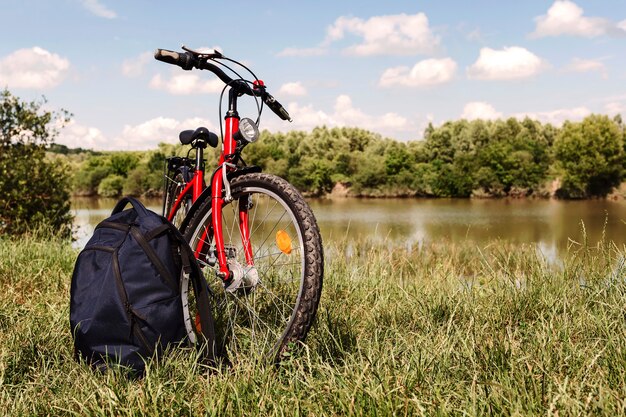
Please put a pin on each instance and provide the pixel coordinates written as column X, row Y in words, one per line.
column 549, row 223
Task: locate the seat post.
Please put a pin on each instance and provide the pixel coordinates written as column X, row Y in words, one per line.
column 200, row 145
column 198, row 175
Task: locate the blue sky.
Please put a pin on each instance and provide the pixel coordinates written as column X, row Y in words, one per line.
column 391, row 67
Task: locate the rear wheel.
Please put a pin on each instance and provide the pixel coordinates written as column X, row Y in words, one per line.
column 277, row 310
column 175, row 186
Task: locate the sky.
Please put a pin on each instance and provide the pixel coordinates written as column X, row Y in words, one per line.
column 391, row 67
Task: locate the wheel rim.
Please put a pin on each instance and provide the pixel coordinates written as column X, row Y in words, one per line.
column 254, row 323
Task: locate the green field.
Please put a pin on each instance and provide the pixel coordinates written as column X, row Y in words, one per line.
column 437, row 330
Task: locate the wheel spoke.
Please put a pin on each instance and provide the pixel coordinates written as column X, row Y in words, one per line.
column 270, row 292
column 271, row 231
column 274, row 254
column 254, row 321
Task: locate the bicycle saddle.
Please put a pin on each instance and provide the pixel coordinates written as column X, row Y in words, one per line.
column 201, row 133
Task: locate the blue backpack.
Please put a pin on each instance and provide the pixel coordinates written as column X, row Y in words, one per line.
column 125, row 299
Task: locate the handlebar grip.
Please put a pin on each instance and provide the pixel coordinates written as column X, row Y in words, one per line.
column 276, row 107
column 184, row 60
column 284, row 114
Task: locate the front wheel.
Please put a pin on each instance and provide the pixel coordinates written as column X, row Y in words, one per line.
column 263, row 320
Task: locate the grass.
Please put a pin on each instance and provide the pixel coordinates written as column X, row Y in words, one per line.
column 445, row 329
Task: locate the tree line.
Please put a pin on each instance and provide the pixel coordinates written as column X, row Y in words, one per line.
column 460, row 158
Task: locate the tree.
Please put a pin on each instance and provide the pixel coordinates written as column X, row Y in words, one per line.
column 111, row 186
column 516, row 155
column 91, row 173
column 396, row 158
column 34, row 192
column 590, row 155
column 122, row 163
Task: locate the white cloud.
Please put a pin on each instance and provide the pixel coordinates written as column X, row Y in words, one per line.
column 399, row 34
column 149, row 134
column 75, row 135
column 146, row 135
column 186, row 83
column 509, row 63
column 565, row 17
column 33, row 68
column 315, row 51
column 480, row 110
column 344, row 114
column 587, row 65
column 557, row 117
column 475, row 35
column 304, row 117
column 98, row 9
column 134, row 67
column 424, row 73
column 292, row 89
column 615, row 107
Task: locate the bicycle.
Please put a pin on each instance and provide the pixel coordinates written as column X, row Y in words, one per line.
column 252, row 231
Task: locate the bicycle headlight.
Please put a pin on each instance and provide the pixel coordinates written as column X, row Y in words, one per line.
column 248, row 131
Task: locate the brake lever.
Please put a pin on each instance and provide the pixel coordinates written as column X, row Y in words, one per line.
column 215, row 54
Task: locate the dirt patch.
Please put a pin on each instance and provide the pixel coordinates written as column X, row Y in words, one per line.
column 555, row 185
column 618, row 193
column 340, row 191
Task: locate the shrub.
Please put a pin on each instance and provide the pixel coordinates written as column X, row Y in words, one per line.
column 590, row 155
column 34, row 191
column 111, row 186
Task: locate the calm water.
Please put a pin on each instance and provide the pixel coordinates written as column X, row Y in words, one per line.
column 415, row 221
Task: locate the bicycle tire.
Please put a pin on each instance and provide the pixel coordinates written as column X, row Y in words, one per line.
column 265, row 322
column 175, row 186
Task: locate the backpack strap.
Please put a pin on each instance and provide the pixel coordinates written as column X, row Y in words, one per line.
column 141, row 210
column 154, row 258
column 131, row 313
column 174, row 242
column 202, row 291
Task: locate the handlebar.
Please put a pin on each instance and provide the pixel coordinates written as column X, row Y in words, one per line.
column 276, row 107
column 188, row 60
column 184, row 60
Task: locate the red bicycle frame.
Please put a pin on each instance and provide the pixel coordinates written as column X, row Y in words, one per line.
column 218, row 199
column 195, row 186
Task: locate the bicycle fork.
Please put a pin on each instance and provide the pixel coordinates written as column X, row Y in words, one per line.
column 229, row 268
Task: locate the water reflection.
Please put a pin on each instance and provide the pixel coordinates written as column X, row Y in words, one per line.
column 550, row 224
column 88, row 212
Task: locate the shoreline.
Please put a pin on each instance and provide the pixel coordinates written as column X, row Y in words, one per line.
column 615, row 196
column 548, row 191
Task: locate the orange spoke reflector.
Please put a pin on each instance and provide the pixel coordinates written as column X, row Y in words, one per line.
column 283, row 241
column 198, row 323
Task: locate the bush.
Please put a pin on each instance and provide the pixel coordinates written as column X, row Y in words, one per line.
column 34, row 192
column 141, row 181
column 111, row 186
column 590, row 155
column 88, row 179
